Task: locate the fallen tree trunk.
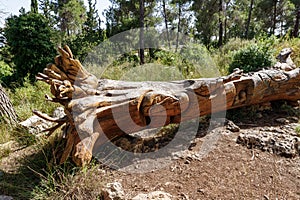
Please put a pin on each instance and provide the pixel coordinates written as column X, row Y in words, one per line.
column 100, row 110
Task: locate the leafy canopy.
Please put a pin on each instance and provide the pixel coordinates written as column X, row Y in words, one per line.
column 29, row 39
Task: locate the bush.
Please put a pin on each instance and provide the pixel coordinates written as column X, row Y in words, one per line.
column 223, row 56
column 252, row 58
column 5, row 70
column 29, row 40
column 31, row 97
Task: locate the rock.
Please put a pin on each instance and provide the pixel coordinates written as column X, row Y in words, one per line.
column 259, row 115
column 282, row 120
column 36, row 125
column 284, row 60
column 274, row 142
column 232, row 126
column 156, row 195
column 59, row 112
column 113, row 191
column 4, row 197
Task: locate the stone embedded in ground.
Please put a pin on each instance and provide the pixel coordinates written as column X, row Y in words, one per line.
column 232, row 126
column 37, row 125
column 113, row 191
column 4, row 197
column 156, row 195
column 282, row 120
column 275, row 142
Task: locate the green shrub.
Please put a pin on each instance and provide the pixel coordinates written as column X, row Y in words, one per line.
column 252, row 58
column 223, row 56
column 5, row 70
column 30, row 97
column 197, row 62
column 167, row 58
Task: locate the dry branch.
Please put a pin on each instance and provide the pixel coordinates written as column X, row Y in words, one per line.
column 99, row 110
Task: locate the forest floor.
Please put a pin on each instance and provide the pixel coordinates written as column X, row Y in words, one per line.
column 228, row 171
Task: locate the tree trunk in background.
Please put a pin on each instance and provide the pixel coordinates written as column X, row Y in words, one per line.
column 249, row 19
column 178, row 25
column 296, row 27
column 166, row 22
column 274, row 17
column 142, row 25
column 6, row 109
column 220, row 42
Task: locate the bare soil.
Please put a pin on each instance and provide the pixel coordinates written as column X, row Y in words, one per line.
column 228, row 171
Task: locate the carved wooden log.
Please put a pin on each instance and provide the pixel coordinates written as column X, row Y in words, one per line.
column 100, row 110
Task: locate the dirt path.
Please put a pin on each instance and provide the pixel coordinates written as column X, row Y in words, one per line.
column 228, row 171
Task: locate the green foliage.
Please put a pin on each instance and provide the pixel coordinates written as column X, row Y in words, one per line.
column 197, row 61
column 71, row 15
column 5, row 70
column 252, row 58
column 30, row 97
column 168, row 58
column 297, row 129
column 124, row 15
column 223, row 56
column 29, row 41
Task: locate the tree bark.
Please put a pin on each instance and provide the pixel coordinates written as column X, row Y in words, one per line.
column 180, row 4
column 220, row 42
column 274, row 17
column 142, row 26
column 6, row 109
column 100, row 110
column 166, row 22
column 249, row 18
column 296, row 26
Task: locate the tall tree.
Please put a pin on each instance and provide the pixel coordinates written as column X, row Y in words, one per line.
column 179, row 6
column 71, row 15
column 48, row 8
column 29, row 39
column 274, row 16
column 249, row 18
column 91, row 35
column 297, row 18
column 34, row 6
column 221, row 17
column 123, row 15
column 206, row 14
column 165, row 16
column 142, row 26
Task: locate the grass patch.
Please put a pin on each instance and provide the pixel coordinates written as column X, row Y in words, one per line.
column 38, row 177
column 297, row 129
column 5, row 132
column 30, row 97
column 67, row 183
